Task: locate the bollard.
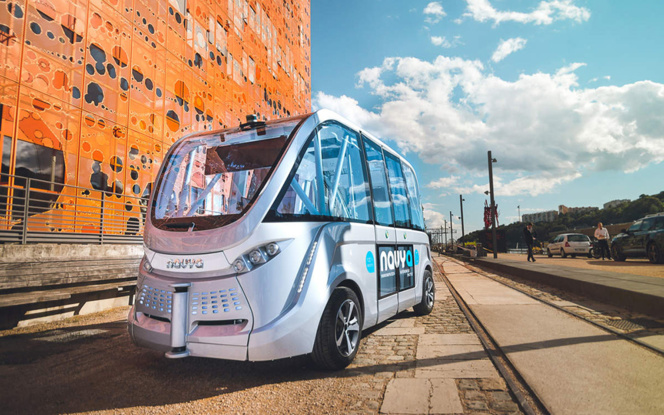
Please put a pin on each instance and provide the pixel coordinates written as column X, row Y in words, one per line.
column 179, row 321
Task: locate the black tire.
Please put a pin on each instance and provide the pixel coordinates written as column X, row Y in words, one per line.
column 590, row 253
column 573, row 255
column 548, row 253
column 428, row 295
column 339, row 331
column 617, row 254
column 655, row 254
column 562, row 253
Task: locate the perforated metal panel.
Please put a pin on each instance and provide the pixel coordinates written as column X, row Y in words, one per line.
column 155, row 299
column 215, row 302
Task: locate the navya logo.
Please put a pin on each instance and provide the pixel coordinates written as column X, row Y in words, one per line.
column 185, row 263
column 391, row 259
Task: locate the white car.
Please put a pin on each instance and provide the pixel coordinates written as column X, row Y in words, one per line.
column 572, row 244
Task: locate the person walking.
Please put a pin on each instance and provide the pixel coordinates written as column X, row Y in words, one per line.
column 529, row 238
column 602, row 235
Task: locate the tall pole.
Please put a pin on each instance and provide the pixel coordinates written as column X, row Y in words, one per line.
column 463, row 233
column 519, row 207
column 445, row 233
column 451, row 230
column 493, row 207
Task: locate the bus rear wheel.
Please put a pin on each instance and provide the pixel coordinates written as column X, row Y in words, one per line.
column 339, row 331
column 428, row 295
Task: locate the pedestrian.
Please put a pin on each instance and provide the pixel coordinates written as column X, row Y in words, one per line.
column 529, row 237
column 602, row 235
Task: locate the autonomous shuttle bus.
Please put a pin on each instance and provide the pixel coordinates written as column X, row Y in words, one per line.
column 278, row 239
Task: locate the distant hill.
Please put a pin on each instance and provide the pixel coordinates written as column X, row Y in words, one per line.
column 624, row 214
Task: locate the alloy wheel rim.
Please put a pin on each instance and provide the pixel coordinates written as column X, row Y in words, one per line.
column 347, row 328
column 429, row 293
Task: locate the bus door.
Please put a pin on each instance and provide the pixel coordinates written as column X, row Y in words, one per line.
column 386, row 272
column 405, row 237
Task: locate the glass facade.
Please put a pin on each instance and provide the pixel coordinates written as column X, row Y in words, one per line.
column 95, row 91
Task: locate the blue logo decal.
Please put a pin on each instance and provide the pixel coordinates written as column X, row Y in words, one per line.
column 371, row 264
column 417, row 257
column 409, row 258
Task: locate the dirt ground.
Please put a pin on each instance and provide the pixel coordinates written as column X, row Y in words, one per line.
column 630, row 266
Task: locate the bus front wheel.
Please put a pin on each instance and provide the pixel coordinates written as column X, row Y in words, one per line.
column 339, row 331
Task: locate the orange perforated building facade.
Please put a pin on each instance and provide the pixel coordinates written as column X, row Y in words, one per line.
column 95, row 91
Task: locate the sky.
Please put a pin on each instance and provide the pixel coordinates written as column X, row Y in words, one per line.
column 568, row 95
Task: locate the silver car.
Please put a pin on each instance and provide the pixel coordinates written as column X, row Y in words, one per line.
column 571, row 244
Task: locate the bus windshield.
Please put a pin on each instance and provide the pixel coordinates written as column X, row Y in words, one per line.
column 210, row 180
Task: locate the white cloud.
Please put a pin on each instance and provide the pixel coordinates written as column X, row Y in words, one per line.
column 443, row 42
column 433, row 218
column 434, row 12
column 444, row 182
column 507, row 47
column 543, row 129
column 546, row 12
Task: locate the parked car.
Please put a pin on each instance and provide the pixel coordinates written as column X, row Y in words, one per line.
column 644, row 239
column 572, row 244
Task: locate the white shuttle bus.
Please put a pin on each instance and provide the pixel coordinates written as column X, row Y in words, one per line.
column 277, row 239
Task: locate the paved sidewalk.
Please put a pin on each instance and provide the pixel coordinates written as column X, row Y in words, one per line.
column 573, row 366
column 432, row 364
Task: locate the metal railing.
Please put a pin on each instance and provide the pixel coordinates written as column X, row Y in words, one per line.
column 39, row 211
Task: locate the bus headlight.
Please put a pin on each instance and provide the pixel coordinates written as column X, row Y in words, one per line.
column 239, row 265
column 256, row 257
column 147, row 267
column 272, row 249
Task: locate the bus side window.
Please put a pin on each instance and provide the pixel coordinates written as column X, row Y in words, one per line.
column 398, row 190
column 414, row 198
column 342, row 191
column 346, row 185
column 381, row 197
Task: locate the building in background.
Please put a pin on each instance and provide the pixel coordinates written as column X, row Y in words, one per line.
column 564, row 210
column 95, row 91
column 548, row 216
column 615, row 203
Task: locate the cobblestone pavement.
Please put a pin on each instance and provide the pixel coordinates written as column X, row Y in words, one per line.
column 389, row 356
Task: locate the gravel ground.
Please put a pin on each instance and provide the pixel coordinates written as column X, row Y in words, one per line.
column 635, row 266
column 87, row 364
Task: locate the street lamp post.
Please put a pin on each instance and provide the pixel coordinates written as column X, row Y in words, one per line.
column 461, row 200
column 451, row 231
column 493, row 206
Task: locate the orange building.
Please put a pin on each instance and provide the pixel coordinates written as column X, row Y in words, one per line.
column 95, row 91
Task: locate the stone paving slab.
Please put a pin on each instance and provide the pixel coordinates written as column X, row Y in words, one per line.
column 442, row 339
column 455, row 369
column 399, row 331
column 421, row 396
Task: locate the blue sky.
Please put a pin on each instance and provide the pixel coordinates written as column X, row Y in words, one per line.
column 567, row 94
